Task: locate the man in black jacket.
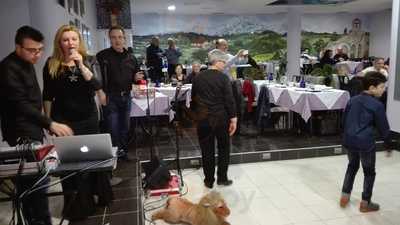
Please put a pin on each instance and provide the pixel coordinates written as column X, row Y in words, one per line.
column 21, row 112
column 119, row 69
column 214, row 101
column 154, row 56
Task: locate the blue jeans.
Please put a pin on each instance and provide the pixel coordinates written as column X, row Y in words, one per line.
column 117, row 116
column 368, row 164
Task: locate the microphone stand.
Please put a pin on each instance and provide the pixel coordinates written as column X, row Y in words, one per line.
column 150, row 132
column 178, row 131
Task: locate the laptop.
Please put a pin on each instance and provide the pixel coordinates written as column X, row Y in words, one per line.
column 83, row 148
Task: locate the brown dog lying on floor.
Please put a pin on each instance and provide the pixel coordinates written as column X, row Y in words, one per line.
column 211, row 210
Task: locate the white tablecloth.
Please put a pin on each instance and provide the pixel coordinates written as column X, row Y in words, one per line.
column 184, row 93
column 159, row 105
column 305, row 100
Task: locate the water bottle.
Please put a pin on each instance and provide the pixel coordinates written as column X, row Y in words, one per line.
column 302, row 82
column 271, row 77
column 164, row 65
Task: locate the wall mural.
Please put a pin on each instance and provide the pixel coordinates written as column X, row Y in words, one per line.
column 263, row 35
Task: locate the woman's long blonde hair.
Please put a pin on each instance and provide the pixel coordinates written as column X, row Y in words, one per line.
column 58, row 56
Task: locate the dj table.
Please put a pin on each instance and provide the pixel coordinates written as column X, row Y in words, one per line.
column 9, row 171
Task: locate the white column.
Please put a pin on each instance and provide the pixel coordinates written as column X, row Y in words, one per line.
column 393, row 99
column 293, row 41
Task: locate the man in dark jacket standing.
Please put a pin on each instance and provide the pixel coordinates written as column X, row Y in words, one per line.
column 21, row 112
column 154, row 56
column 214, row 101
column 119, row 70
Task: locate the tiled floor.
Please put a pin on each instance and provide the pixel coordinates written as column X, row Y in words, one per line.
column 300, row 192
column 279, row 192
column 250, row 140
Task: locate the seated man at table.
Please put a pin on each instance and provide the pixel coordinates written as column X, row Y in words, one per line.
column 379, row 66
column 195, row 71
column 340, row 55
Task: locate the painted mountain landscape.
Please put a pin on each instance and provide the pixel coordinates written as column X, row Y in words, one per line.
column 263, row 35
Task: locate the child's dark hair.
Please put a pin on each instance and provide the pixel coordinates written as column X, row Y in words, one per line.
column 373, row 79
column 28, row 32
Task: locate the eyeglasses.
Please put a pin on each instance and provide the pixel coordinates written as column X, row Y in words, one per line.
column 34, row 51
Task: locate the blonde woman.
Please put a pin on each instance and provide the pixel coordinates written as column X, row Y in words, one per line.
column 69, row 87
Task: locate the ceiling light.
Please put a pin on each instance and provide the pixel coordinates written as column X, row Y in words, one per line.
column 171, row 8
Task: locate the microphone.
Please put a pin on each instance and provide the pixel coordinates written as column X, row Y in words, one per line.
column 71, row 50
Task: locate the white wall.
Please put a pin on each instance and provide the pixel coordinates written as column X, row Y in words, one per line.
column 380, row 29
column 393, row 106
column 13, row 14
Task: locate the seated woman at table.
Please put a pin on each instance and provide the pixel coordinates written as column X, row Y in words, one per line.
column 178, row 75
column 327, row 58
column 69, row 88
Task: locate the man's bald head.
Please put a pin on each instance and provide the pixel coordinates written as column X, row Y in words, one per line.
column 222, row 45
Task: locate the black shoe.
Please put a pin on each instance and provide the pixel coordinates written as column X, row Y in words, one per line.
column 225, row 182
column 122, row 155
column 125, row 158
column 208, row 184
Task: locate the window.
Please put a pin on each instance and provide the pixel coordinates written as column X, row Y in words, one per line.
column 86, row 36
column 76, row 7
column 82, row 7
column 77, row 24
column 70, row 5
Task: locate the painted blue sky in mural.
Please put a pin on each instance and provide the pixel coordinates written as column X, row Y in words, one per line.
column 150, row 24
column 309, row 2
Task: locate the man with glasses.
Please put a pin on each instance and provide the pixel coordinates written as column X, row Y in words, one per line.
column 216, row 113
column 21, row 112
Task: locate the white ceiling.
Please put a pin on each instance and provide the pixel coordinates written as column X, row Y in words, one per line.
column 229, row 7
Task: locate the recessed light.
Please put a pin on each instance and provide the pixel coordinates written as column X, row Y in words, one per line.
column 171, row 8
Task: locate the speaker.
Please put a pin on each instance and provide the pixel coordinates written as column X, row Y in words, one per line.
column 157, row 174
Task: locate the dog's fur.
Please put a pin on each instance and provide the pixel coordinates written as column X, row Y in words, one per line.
column 211, row 210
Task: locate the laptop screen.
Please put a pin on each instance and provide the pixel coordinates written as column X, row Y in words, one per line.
column 80, row 148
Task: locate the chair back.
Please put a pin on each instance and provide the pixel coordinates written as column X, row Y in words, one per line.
column 343, row 82
column 263, row 112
